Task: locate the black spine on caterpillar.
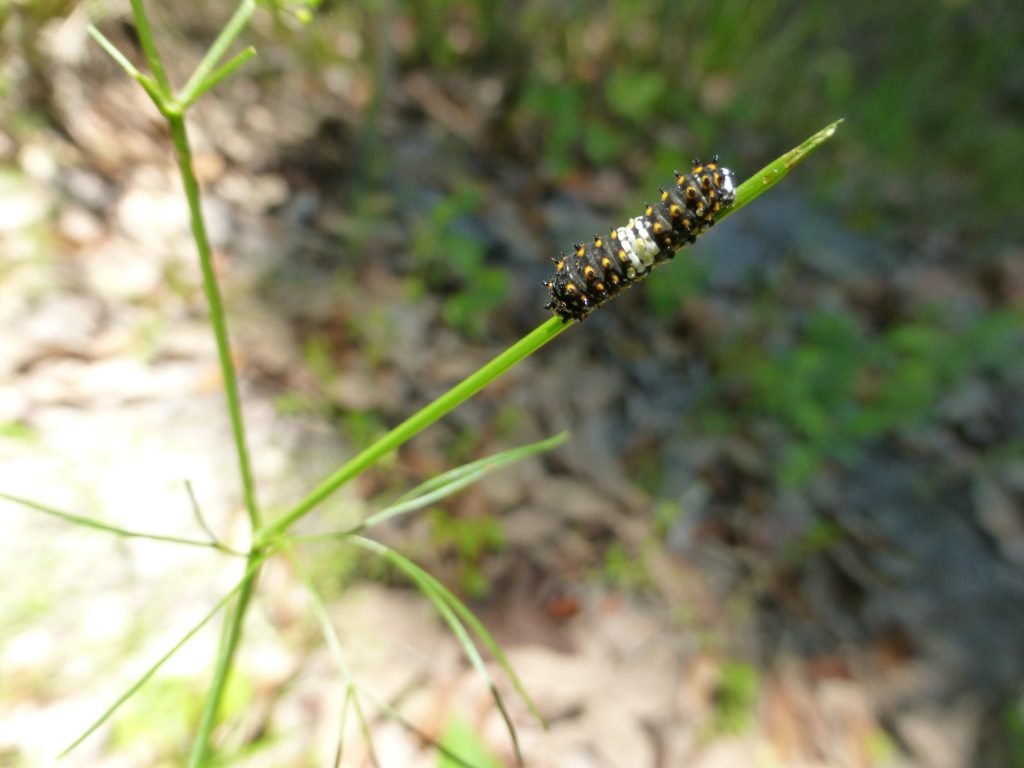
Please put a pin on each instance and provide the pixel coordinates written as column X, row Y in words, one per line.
column 597, row 271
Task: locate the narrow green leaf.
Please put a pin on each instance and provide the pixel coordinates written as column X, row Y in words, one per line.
column 439, row 597
column 161, row 83
column 455, row 480
column 99, row 526
column 487, row 639
column 334, row 645
column 353, row 690
column 339, row 751
column 201, row 77
column 217, row 75
column 161, row 98
column 114, row 53
column 163, row 659
column 197, row 513
column 364, row 728
column 487, row 463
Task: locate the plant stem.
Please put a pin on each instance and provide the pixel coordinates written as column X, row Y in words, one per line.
column 218, row 319
column 231, row 634
column 423, row 418
column 149, row 47
column 232, row 628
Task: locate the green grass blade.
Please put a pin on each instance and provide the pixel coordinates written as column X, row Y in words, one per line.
column 99, row 526
column 217, row 75
column 439, row 597
column 455, row 480
column 352, row 693
column 162, row 84
column 485, row 464
column 364, row 728
column 334, row 646
column 114, row 53
column 163, row 659
column 397, row 716
column 200, row 80
column 487, row 639
column 339, row 751
column 197, row 513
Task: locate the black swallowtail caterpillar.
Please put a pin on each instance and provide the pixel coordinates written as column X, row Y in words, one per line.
column 596, row 272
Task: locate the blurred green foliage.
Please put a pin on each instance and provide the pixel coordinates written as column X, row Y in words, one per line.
column 462, row 741
column 624, row 570
column 882, row 748
column 735, row 697
column 833, row 386
column 930, row 89
column 677, row 282
column 450, row 260
column 470, row 539
column 820, row 536
column 1013, row 729
column 162, row 716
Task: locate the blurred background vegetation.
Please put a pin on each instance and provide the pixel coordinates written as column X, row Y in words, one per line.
column 864, row 320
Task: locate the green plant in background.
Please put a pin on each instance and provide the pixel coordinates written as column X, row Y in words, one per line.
column 1013, row 728
column 820, row 536
column 471, row 539
column 317, row 356
column 460, row 739
column 667, row 513
column 676, row 283
column 735, row 697
column 274, row 536
column 595, row 84
column 623, row 569
column 881, row 748
column 834, row 387
column 162, row 715
column 447, row 255
column 561, row 123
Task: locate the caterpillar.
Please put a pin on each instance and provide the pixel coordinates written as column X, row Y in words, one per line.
column 595, row 272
